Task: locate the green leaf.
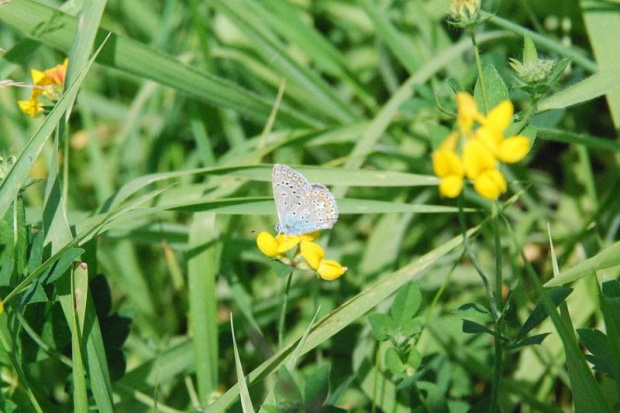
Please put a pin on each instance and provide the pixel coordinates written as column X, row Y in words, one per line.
column 433, row 396
column 530, row 55
column 496, row 89
column 406, row 304
column 382, row 326
column 539, row 314
column 393, row 361
column 413, row 326
column 474, row 312
column 528, row 341
column 597, row 343
column 317, row 387
column 414, row 358
column 471, row 327
column 288, row 395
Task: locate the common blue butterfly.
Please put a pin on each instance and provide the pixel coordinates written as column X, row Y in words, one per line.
column 302, row 207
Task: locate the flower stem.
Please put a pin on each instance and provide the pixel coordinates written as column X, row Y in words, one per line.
column 485, row 97
column 283, row 311
column 474, row 260
column 498, row 344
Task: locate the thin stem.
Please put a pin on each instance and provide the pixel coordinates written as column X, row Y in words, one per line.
column 474, row 260
column 283, row 312
column 485, row 97
column 498, row 344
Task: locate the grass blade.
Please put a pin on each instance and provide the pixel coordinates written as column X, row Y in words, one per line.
column 246, row 401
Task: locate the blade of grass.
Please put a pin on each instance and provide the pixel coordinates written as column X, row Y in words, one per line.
column 598, row 84
column 79, row 293
column 603, row 27
column 246, row 401
column 203, row 266
column 607, row 258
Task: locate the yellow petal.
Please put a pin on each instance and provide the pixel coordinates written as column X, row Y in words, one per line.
column 310, row 236
column 477, row 158
column 451, row 186
column 30, row 107
column 490, row 138
column 330, row 270
column 513, row 149
column 39, row 78
column 449, row 143
column 500, row 116
column 467, row 111
column 286, row 242
column 490, row 184
column 1, row 307
column 312, row 253
column 267, row 244
column 446, row 163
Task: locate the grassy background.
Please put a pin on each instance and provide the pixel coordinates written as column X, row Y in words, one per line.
column 162, row 172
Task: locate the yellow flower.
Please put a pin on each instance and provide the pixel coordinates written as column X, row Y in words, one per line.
column 477, row 158
column 448, row 166
column 330, row 270
column 509, row 150
column 467, row 111
column 513, row 149
column 490, row 184
column 267, row 244
column 483, row 148
column 276, row 247
column 312, row 253
column 30, row 107
column 48, row 83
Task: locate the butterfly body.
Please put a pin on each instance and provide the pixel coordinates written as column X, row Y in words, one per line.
column 302, row 207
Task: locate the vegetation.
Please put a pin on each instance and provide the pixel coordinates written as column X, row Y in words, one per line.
column 472, row 151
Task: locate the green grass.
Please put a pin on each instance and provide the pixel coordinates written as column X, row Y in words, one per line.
column 129, row 270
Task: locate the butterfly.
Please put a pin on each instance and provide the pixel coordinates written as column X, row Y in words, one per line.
column 302, row 207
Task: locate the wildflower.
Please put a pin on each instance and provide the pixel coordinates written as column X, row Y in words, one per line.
column 448, row 166
column 464, row 13
column 48, row 83
column 312, row 253
column 480, row 151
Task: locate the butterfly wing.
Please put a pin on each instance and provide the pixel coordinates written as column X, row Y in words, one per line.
column 302, row 207
column 289, row 186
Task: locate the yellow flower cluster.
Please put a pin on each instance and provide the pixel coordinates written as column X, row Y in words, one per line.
column 313, row 254
column 48, row 83
column 477, row 148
